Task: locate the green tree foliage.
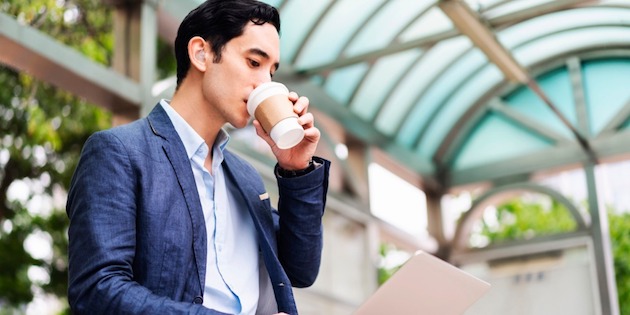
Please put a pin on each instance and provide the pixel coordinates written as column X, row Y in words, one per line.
column 619, row 227
column 519, row 219
column 385, row 269
column 42, row 130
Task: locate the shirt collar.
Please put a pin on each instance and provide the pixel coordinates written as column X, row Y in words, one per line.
column 190, row 138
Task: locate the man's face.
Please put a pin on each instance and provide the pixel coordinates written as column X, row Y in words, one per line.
column 246, row 62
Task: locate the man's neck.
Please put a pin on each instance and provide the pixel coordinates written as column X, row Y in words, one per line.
column 189, row 103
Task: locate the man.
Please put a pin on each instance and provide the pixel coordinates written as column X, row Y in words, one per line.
column 165, row 220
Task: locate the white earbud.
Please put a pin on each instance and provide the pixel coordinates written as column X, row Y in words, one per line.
column 201, row 56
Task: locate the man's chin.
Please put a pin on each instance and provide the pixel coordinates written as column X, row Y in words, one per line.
column 239, row 125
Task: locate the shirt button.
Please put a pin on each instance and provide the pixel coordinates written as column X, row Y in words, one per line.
column 198, row 300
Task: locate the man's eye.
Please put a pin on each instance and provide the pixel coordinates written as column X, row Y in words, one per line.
column 254, row 63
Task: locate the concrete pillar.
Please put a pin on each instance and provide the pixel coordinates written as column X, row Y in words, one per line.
column 126, row 24
column 435, row 221
column 135, row 35
column 357, row 171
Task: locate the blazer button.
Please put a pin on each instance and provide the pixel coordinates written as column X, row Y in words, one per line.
column 198, row 300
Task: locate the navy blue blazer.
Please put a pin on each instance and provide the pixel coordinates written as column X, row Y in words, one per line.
column 137, row 237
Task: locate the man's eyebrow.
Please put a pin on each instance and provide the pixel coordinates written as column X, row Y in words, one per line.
column 262, row 53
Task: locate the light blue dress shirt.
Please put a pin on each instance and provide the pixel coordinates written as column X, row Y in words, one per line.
column 232, row 269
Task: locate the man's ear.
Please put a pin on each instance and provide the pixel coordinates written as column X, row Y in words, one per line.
column 197, row 53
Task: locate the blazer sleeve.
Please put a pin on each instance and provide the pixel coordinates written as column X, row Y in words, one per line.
column 301, row 205
column 102, row 236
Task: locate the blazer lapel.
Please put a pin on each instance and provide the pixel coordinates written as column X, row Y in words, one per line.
column 255, row 199
column 252, row 190
column 253, row 196
column 176, row 153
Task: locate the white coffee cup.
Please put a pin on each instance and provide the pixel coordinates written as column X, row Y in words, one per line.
column 269, row 103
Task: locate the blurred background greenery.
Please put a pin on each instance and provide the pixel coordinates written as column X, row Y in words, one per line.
column 42, row 130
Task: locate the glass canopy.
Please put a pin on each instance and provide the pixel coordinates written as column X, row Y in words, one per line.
column 402, row 69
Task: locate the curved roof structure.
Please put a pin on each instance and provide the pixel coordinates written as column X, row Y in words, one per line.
column 458, row 91
column 404, row 76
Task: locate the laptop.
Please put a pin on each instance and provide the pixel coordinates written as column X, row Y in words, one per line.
column 425, row 285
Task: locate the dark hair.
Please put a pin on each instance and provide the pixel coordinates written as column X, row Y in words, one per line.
column 219, row 21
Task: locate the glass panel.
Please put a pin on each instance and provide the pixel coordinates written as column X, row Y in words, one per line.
column 607, row 89
column 434, row 62
column 298, row 17
column 403, row 97
column 557, row 86
column 317, row 80
column 273, row 3
column 432, row 22
column 574, row 40
column 438, row 92
column 480, row 5
column 495, row 139
column 453, row 108
column 343, row 82
column 561, row 21
column 336, row 28
column 384, row 26
column 380, row 80
column 510, row 7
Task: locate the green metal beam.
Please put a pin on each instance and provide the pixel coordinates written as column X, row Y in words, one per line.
column 574, row 66
column 525, row 164
column 528, row 123
column 465, row 225
column 27, row 49
column 605, row 146
column 604, row 265
column 353, row 124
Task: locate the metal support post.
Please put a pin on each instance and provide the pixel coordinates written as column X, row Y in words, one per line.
column 602, row 248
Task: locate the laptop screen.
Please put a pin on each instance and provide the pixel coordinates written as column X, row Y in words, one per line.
column 425, row 285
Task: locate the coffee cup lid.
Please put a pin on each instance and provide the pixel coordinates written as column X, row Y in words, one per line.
column 262, row 92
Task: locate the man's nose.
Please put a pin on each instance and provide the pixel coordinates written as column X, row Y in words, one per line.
column 262, row 79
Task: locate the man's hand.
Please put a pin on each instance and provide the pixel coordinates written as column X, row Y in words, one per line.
column 298, row 157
